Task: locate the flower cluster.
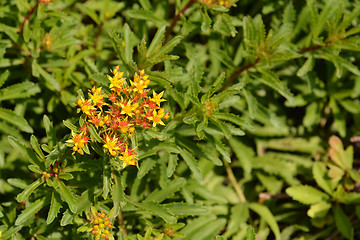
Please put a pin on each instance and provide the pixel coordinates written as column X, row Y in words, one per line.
column 100, row 226
column 117, row 113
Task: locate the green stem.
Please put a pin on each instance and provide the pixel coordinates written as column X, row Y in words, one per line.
column 234, row 182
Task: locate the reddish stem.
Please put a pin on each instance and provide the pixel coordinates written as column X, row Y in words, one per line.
column 176, row 19
column 253, row 64
column 98, row 35
column 28, row 16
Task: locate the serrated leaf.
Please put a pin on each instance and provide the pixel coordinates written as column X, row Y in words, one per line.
column 58, row 151
column 52, row 82
column 101, row 79
column 67, row 218
column 30, row 211
column 67, row 196
column 26, row 193
column 18, row 91
column 118, row 194
column 160, row 195
column 319, row 172
column 306, row 194
column 191, row 162
column 268, row 217
column 269, row 78
column 145, row 167
column 157, row 40
column 71, row 126
column 233, row 118
column 206, row 20
column 186, row 209
column 158, row 210
column 173, row 161
column 28, row 153
column 36, row 147
column 94, row 134
column 16, row 120
column 55, row 206
column 307, row 66
column 147, row 15
column 168, row 47
column 50, row 132
column 3, row 77
column 222, row 126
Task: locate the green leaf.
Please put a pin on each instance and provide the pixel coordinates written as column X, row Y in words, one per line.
column 319, row 210
column 101, row 79
column 173, row 186
column 145, row 167
column 269, row 78
column 156, row 41
column 67, row 196
column 117, row 194
column 52, row 82
column 147, row 15
column 28, row 153
column 90, row 12
column 168, row 47
column 55, row 206
column 215, row 86
column 3, row 77
column 56, row 154
column 340, row 121
column 206, row 20
column 343, row 223
column 319, row 172
column 232, row 118
column 158, row 210
column 30, row 211
column 191, row 162
column 36, row 147
column 250, row 233
column 186, row 209
column 306, row 194
column 26, row 32
column 307, row 66
column 26, row 193
column 94, row 134
column 268, row 217
column 222, row 126
column 50, row 132
column 15, row 120
column 18, row 91
column 145, row 4
column 71, row 126
column 173, row 161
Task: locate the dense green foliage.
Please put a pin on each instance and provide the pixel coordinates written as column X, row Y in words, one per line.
column 262, row 135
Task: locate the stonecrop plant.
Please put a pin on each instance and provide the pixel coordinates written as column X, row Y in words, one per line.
column 114, row 116
column 179, row 119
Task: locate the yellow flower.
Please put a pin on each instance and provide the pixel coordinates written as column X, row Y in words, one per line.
column 117, row 80
column 112, row 145
column 97, row 97
column 156, row 117
column 128, row 158
column 157, row 98
column 85, row 106
column 128, row 108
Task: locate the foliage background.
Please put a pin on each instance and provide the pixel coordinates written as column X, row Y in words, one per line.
column 254, row 91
